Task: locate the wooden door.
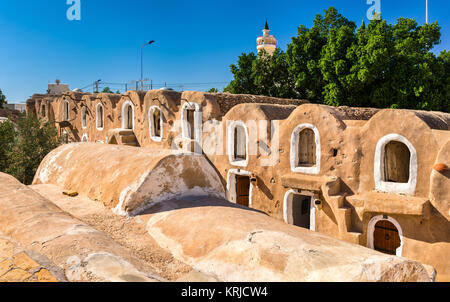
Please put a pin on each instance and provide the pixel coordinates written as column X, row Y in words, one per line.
column 386, row 238
column 243, row 190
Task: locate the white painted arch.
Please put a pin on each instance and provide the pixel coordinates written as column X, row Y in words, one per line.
column 392, row 187
column 230, row 143
column 287, row 202
column 294, row 150
column 197, row 121
column 65, row 109
column 371, row 231
column 150, row 125
column 99, row 117
column 84, row 117
column 84, row 138
column 231, row 185
column 125, row 114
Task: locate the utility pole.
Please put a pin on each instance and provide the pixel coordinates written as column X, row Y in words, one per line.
column 142, row 64
column 427, row 11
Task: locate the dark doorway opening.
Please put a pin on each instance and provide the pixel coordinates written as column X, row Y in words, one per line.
column 190, row 117
column 301, row 211
column 243, row 190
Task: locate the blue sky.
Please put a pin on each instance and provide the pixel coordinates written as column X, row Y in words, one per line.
column 196, row 41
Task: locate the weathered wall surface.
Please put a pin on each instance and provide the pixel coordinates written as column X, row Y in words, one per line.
column 126, row 177
column 83, row 253
column 238, row 245
column 263, row 144
column 440, row 183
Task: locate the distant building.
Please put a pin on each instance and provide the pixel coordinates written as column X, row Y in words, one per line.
column 57, row 88
column 19, row 107
column 267, row 42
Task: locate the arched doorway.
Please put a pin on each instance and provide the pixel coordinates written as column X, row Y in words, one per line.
column 128, row 115
column 299, row 210
column 385, row 235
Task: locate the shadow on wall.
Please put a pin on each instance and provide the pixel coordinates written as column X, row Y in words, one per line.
column 193, row 201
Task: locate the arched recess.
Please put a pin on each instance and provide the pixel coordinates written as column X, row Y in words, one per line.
column 191, row 118
column 391, row 157
column 372, row 233
column 305, row 156
column 237, row 143
column 84, row 117
column 100, row 117
column 65, row 110
column 155, row 118
column 128, row 115
column 299, row 210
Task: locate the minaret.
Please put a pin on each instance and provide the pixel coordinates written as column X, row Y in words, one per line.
column 267, row 41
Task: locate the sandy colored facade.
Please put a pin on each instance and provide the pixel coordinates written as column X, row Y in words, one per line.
column 377, row 178
column 221, row 240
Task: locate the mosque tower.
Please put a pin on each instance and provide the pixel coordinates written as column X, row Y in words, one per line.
column 267, row 41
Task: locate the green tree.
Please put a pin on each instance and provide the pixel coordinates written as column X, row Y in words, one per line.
column 7, row 135
column 213, row 90
column 243, row 81
column 379, row 65
column 107, row 90
column 32, row 143
column 271, row 75
column 305, row 52
column 2, row 99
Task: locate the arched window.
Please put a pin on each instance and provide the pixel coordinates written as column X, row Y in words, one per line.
column 305, row 154
column 191, row 121
column 396, row 162
column 128, row 115
column 238, row 143
column 66, row 111
column 43, row 111
column 156, row 123
column 306, row 148
column 100, row 117
column 84, row 138
column 395, row 165
column 84, row 117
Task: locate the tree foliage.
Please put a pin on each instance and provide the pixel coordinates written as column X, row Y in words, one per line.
column 335, row 63
column 7, row 135
column 2, row 99
column 107, row 90
column 26, row 147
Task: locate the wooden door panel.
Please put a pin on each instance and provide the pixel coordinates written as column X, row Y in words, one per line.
column 386, row 237
column 243, row 190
